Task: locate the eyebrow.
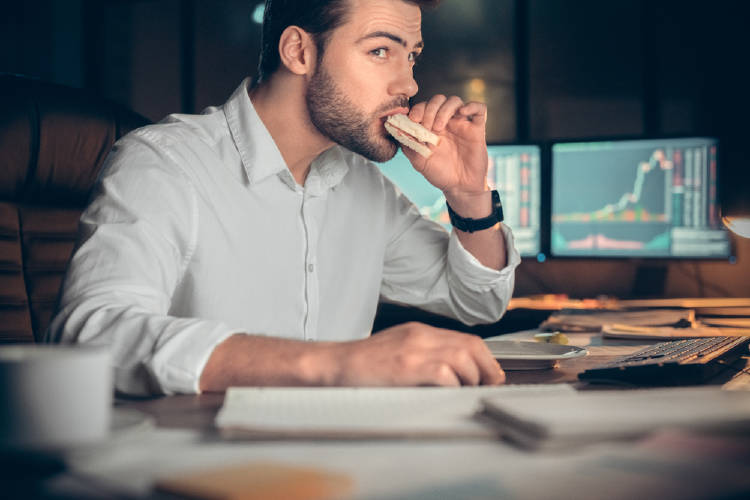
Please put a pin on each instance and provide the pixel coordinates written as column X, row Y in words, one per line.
column 390, row 36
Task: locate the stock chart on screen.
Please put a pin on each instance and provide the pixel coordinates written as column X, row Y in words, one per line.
column 513, row 170
column 640, row 198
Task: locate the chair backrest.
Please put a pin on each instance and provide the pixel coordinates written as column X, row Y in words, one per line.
column 53, row 141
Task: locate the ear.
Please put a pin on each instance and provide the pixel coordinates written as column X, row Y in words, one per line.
column 297, row 50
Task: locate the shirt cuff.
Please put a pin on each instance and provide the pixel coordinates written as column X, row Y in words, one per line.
column 473, row 273
column 178, row 364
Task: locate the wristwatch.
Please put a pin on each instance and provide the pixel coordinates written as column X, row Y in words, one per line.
column 470, row 225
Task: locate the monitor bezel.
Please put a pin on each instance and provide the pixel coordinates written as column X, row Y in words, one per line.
column 544, row 195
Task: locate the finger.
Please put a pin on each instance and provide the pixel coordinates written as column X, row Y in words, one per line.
column 417, row 112
column 501, row 373
column 442, row 374
column 474, row 111
column 446, row 112
column 463, row 364
column 431, row 109
column 493, row 374
column 490, row 371
column 417, row 160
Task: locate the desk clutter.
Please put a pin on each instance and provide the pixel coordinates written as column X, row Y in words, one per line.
column 680, row 362
column 695, row 340
column 647, row 319
column 318, row 442
column 595, row 320
column 658, row 319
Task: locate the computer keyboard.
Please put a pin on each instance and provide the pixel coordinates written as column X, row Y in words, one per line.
column 676, row 362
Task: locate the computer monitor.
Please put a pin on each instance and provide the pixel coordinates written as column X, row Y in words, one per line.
column 514, row 170
column 651, row 198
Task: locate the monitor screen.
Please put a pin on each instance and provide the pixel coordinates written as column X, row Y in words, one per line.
column 637, row 198
column 513, row 170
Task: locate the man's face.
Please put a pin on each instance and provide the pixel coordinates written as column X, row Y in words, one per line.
column 365, row 75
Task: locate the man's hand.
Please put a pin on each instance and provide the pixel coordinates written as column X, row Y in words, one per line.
column 458, row 164
column 404, row 355
column 458, row 167
column 415, row 354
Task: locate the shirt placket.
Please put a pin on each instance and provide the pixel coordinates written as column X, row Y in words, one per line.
column 312, row 295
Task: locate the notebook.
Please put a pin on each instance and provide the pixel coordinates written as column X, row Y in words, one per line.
column 346, row 412
column 561, row 420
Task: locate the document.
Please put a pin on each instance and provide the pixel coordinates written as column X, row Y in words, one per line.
column 618, row 331
column 583, row 320
column 561, row 420
column 347, row 412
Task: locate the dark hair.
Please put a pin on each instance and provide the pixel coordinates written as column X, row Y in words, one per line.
column 317, row 17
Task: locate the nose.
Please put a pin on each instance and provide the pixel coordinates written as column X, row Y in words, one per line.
column 404, row 82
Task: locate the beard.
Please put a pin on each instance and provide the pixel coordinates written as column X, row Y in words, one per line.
column 338, row 119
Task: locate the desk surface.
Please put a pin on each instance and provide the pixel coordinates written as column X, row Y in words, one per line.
column 180, row 438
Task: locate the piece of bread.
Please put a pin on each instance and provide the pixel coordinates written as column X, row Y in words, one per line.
column 408, row 141
column 414, row 129
column 411, row 134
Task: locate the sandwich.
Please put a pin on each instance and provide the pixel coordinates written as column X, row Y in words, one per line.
column 411, row 134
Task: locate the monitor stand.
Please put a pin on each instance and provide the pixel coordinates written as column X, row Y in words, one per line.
column 650, row 280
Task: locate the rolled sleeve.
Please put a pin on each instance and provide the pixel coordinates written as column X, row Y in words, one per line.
column 426, row 267
column 178, row 364
column 475, row 275
column 479, row 294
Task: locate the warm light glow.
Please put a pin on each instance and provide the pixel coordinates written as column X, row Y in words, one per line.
column 738, row 225
column 477, row 85
column 475, row 90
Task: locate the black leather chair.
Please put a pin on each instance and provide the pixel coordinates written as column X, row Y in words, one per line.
column 53, row 141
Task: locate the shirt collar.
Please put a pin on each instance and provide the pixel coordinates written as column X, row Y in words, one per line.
column 261, row 157
column 326, row 171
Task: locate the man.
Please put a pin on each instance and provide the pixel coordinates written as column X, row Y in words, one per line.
column 217, row 246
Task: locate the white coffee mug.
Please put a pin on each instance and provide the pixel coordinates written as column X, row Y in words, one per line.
column 54, row 397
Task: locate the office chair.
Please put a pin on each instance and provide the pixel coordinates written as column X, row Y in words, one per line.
column 53, row 141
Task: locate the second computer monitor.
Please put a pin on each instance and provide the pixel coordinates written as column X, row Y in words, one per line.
column 514, row 170
column 637, row 198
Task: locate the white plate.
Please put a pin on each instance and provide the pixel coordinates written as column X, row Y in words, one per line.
column 518, row 355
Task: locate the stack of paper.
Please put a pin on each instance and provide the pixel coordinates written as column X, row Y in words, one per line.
column 583, row 320
column 320, row 412
column 668, row 332
column 563, row 419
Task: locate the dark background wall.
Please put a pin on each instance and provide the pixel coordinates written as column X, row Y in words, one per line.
column 547, row 69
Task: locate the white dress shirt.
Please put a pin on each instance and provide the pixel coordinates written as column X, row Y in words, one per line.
column 198, row 231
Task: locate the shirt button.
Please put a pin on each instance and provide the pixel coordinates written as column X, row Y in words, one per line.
column 310, row 268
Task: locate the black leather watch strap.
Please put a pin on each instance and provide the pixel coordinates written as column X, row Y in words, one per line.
column 470, row 225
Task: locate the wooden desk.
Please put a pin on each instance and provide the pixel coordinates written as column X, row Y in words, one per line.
column 182, row 439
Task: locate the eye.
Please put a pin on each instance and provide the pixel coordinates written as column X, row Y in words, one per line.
column 380, row 52
column 414, row 56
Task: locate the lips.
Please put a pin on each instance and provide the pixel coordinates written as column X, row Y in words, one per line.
column 395, row 111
